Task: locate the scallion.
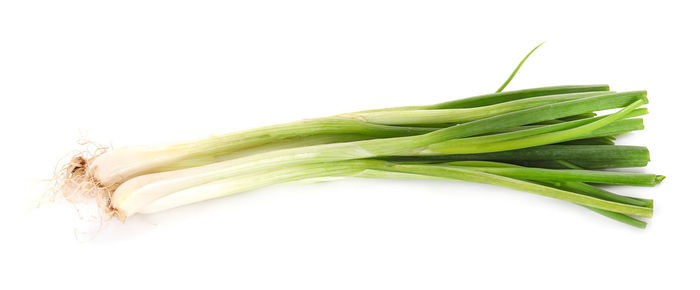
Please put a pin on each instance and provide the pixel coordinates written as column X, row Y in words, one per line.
column 547, row 141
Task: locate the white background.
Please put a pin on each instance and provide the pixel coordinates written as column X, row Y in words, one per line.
column 150, row 72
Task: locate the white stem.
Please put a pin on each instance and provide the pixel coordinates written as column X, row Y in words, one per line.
column 139, row 191
column 123, row 163
column 237, row 184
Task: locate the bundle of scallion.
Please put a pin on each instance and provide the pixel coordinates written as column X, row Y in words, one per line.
column 547, row 141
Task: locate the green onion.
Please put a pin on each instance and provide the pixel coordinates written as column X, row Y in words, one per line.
column 545, row 141
column 139, row 191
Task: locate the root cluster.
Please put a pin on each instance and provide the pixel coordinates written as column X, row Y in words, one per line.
column 73, row 182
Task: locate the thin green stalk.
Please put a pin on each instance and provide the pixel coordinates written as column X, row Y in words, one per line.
column 456, row 172
column 495, row 98
column 586, row 188
column 567, row 119
column 603, row 177
column 550, row 122
column 605, row 140
column 561, row 183
column 594, row 191
column 512, row 75
column 459, row 146
column 581, row 188
column 616, row 128
column 591, row 190
column 398, row 175
column 441, row 116
column 620, row 217
column 528, row 131
column 587, row 164
column 578, row 117
column 548, row 156
column 545, row 153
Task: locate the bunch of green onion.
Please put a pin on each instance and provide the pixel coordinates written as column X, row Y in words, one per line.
column 548, row 141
